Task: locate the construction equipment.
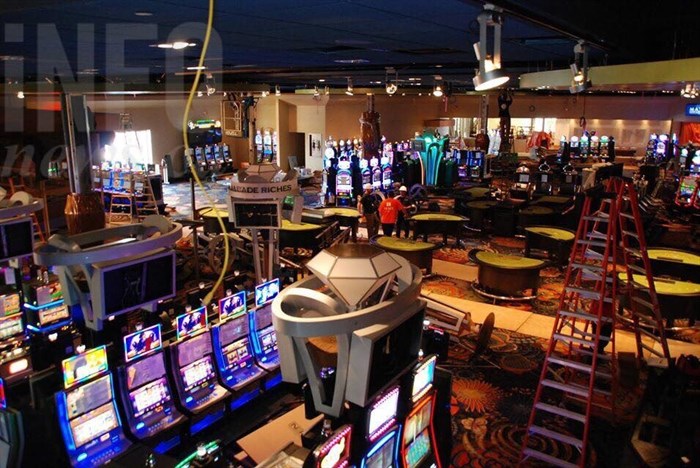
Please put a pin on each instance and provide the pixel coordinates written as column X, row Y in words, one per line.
column 576, row 366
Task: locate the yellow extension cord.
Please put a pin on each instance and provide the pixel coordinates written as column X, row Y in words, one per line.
column 193, row 169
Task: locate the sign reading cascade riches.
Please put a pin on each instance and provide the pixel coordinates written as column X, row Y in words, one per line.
column 263, row 190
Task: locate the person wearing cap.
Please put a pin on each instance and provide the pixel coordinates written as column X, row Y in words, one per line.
column 389, row 210
column 367, row 206
column 402, row 220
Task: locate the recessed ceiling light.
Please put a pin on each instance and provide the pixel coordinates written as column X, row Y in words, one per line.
column 143, row 13
column 321, row 80
column 195, row 68
column 11, row 58
column 177, row 45
column 438, row 66
column 351, row 61
column 414, row 79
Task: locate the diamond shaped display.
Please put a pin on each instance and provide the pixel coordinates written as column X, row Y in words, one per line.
column 261, row 172
column 353, row 271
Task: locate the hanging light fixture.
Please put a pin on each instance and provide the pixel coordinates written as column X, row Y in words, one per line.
column 317, row 94
column 278, row 92
column 489, row 75
column 579, row 69
column 690, row 91
column 349, row 91
column 437, row 89
column 391, row 85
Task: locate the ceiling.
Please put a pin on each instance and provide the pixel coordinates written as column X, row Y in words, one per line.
column 297, row 43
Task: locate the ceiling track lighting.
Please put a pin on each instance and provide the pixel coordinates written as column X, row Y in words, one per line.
column 489, row 75
column 349, row 91
column 391, row 86
column 579, row 69
column 690, row 91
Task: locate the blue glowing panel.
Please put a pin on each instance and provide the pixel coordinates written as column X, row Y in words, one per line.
column 266, row 292
column 142, row 343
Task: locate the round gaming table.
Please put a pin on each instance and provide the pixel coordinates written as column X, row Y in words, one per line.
column 416, row 252
column 437, row 223
column 463, row 197
column 675, row 263
column 556, row 241
column 535, row 215
column 347, row 217
column 555, row 202
column 506, row 277
column 302, row 235
column 479, row 212
column 209, row 214
column 677, row 299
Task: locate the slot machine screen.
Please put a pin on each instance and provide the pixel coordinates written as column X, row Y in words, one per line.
column 53, row 314
column 79, row 368
column 9, row 304
column 198, row 155
column 11, row 326
column 423, row 378
column 416, row 438
column 233, row 329
column 191, row 323
column 91, row 411
column 687, row 187
column 383, row 412
column 266, row 331
column 149, row 397
column 266, row 292
column 194, row 360
column 335, row 451
column 236, row 348
column 382, row 456
column 144, row 371
column 259, row 215
column 17, row 239
column 524, row 178
column 208, row 154
column 142, row 342
column 232, row 305
column 544, row 178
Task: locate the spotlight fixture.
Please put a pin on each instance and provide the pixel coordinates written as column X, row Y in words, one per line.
column 437, row 89
column 579, row 69
column 489, row 75
column 277, row 90
column 20, row 94
column 349, row 91
column 689, row 91
column 264, row 93
column 391, row 86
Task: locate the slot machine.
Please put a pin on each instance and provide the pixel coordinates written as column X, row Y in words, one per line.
column 564, row 152
column 87, row 414
column 199, row 158
column 268, row 153
column 376, row 172
column 607, row 148
column 695, row 163
column 258, row 147
column 343, row 184
column 226, row 153
column 380, row 447
column 15, row 356
column 146, row 395
column 522, row 187
column 334, row 452
column 199, row 394
column 594, row 146
column 209, row 157
column 687, row 193
column 575, row 148
column 387, row 176
column 218, row 156
column 233, row 350
column 570, row 182
column 12, row 444
column 366, row 173
column 543, row 179
column 475, row 164
column 263, row 335
column 418, row 442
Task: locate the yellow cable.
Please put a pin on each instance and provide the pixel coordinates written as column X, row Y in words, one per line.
column 193, row 169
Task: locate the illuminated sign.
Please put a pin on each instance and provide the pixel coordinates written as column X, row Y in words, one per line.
column 233, row 305
column 82, row 367
column 191, row 323
column 693, row 109
column 266, row 292
column 142, row 342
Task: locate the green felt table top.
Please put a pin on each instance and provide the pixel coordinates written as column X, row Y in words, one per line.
column 481, row 204
column 289, row 226
column 436, row 217
column 478, row 191
column 406, row 245
column 553, row 199
column 536, row 210
column 674, row 256
column 554, row 233
column 346, row 212
column 666, row 286
column 508, row 261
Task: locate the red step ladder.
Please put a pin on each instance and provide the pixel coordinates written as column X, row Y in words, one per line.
column 576, row 370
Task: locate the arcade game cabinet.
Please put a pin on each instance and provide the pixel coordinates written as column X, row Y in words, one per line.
column 419, row 446
column 145, row 392
column 199, row 394
column 87, row 413
column 233, row 350
column 522, row 187
column 263, row 334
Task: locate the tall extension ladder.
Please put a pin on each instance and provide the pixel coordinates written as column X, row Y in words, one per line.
column 576, row 366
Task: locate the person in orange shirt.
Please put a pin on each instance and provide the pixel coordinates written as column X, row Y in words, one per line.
column 389, row 210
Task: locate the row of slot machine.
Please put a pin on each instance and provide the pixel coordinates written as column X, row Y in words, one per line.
column 266, row 144
column 163, row 391
column 661, row 148
column 688, row 178
column 581, row 148
column 213, row 158
column 396, row 429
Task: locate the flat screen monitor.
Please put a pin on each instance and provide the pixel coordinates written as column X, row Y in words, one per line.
column 544, row 178
column 382, row 454
column 195, row 361
column 232, row 306
column 233, row 329
column 78, row 369
column 208, row 153
column 138, row 283
column 142, row 342
column 266, row 292
column 236, row 344
column 343, row 181
column 147, row 385
column 523, row 178
column 9, row 304
column 687, row 187
column 382, row 413
column 16, row 238
column 11, row 326
column 423, row 377
column 261, row 215
column 191, row 323
column 416, row 435
column 334, row 453
column 89, row 427
column 90, row 410
column 55, row 313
